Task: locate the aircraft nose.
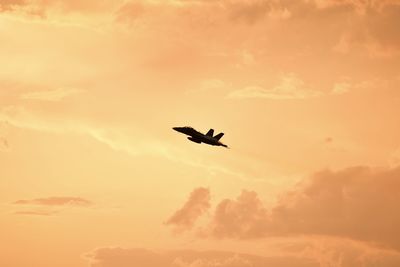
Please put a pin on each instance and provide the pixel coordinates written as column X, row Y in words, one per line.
column 176, row 128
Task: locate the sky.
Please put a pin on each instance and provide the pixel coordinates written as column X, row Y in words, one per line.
column 306, row 92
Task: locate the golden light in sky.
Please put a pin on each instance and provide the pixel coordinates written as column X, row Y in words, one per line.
column 306, row 92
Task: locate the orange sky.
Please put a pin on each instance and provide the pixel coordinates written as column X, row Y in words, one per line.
column 306, row 92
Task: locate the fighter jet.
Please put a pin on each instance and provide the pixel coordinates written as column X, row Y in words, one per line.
column 199, row 138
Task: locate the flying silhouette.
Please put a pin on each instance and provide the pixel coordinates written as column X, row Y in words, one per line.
column 199, row 138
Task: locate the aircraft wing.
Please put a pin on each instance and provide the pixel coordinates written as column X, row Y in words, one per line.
column 190, row 131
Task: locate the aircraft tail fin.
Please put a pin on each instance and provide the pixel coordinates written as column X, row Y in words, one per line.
column 210, row 133
column 218, row 136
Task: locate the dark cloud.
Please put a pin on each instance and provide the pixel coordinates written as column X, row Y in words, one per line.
column 55, row 201
column 196, row 205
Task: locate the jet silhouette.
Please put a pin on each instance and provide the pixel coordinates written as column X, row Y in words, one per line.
column 199, row 138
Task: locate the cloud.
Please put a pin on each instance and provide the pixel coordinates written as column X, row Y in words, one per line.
column 35, row 213
column 48, row 204
column 203, row 12
column 197, row 204
column 55, row 201
column 51, row 95
column 290, row 87
column 130, row 11
column 248, row 11
column 7, row 5
column 234, row 261
column 358, row 203
column 244, row 217
column 114, row 138
column 336, row 252
column 341, row 88
column 314, row 252
column 367, row 25
column 214, row 85
column 120, row 257
column 372, row 26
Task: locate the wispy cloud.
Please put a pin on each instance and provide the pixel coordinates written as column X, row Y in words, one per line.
column 35, row 213
column 51, row 95
column 115, row 139
column 341, row 88
column 311, row 252
column 118, row 257
column 290, row 87
column 55, row 201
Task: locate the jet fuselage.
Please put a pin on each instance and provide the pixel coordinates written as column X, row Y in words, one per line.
column 199, row 138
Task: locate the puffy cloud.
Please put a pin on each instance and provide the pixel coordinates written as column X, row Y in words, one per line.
column 55, row 201
column 290, row 87
column 244, row 217
column 119, row 257
column 358, row 203
column 196, row 205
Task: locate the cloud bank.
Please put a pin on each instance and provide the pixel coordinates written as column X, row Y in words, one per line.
column 120, row 257
column 357, row 203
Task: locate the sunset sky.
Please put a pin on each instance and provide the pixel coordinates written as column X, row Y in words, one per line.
column 307, row 93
